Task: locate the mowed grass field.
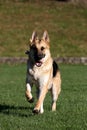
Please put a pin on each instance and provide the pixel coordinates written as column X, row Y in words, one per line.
column 16, row 112
column 65, row 22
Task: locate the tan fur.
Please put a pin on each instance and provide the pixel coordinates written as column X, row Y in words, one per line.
column 41, row 72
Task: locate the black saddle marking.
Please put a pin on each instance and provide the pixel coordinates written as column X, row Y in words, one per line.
column 55, row 68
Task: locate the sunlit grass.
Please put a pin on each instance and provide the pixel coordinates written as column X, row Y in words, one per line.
column 16, row 112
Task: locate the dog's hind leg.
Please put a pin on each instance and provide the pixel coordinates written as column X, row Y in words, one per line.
column 56, row 88
column 54, row 99
column 28, row 93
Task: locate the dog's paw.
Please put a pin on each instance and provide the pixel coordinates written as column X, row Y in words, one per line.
column 30, row 100
column 35, row 111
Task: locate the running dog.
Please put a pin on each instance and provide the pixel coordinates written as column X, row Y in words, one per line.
column 42, row 70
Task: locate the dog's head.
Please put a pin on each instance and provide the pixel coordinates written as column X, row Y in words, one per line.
column 39, row 49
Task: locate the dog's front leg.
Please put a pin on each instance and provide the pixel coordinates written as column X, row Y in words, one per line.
column 28, row 93
column 39, row 105
column 41, row 108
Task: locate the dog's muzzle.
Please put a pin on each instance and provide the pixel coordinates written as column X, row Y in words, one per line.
column 39, row 59
column 41, row 56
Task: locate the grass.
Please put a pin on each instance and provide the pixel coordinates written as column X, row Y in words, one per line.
column 16, row 112
column 65, row 22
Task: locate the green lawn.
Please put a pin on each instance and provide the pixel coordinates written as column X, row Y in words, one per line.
column 65, row 22
column 16, row 112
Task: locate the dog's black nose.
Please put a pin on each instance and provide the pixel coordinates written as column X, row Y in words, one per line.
column 40, row 56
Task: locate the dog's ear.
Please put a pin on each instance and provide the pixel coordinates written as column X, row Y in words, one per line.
column 27, row 52
column 46, row 37
column 33, row 37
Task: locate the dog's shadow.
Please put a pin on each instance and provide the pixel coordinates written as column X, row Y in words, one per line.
column 20, row 111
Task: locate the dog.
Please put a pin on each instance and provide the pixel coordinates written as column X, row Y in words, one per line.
column 43, row 71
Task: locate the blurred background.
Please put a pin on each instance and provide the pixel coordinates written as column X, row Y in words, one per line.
column 65, row 21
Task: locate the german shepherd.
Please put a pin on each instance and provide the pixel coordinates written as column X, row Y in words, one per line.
column 42, row 70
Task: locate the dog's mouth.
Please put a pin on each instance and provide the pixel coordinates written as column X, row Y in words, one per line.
column 38, row 64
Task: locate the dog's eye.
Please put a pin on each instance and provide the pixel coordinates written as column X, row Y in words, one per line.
column 42, row 48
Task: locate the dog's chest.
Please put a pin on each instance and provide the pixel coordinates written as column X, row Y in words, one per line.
column 35, row 73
